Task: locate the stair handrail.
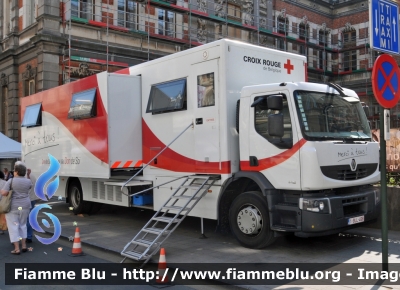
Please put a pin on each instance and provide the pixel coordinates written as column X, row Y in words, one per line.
column 122, row 187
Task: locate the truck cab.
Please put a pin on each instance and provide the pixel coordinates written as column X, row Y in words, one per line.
column 309, row 149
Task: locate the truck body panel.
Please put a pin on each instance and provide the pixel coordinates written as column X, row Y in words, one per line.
column 309, row 173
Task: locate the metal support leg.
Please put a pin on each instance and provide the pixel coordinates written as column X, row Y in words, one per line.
column 203, row 236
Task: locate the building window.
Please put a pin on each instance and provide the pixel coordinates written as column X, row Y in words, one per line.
column 30, row 87
column 350, row 60
column 30, row 12
column 281, row 44
column 82, row 9
column 283, row 25
column 127, row 15
column 166, row 22
column 349, row 39
column 303, row 32
column 234, row 32
column 4, row 110
column 322, row 57
column 234, row 12
column 303, row 50
column 323, row 38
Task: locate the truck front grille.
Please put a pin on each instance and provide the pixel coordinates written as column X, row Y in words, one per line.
column 351, row 175
column 344, row 172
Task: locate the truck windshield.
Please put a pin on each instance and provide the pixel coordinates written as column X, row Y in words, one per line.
column 326, row 116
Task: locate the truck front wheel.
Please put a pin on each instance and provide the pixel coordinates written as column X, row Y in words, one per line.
column 249, row 220
column 76, row 201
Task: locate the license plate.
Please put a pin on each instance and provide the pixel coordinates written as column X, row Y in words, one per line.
column 355, row 220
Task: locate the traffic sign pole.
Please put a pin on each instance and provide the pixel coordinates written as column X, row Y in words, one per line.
column 385, row 85
column 385, row 263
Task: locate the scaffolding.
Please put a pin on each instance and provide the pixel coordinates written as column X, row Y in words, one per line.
column 123, row 33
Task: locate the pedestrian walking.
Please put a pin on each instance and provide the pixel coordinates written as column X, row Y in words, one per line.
column 3, row 223
column 33, row 198
column 20, row 207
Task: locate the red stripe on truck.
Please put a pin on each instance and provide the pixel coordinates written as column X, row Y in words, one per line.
column 116, row 164
column 274, row 160
column 173, row 161
column 138, row 164
column 127, row 163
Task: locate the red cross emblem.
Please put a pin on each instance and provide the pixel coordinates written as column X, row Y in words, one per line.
column 288, row 66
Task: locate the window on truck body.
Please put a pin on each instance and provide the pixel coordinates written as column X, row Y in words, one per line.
column 32, row 116
column 205, row 90
column 83, row 105
column 167, row 97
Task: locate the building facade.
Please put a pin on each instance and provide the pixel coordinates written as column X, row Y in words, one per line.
column 46, row 43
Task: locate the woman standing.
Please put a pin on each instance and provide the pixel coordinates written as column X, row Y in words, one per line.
column 20, row 206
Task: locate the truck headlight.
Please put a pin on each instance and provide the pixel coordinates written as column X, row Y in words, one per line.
column 320, row 205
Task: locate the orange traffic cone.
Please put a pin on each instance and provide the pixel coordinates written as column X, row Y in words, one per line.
column 77, row 248
column 162, row 265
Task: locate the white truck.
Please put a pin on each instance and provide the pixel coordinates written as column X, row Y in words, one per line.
column 277, row 154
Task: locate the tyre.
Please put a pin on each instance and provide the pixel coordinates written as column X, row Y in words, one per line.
column 249, row 220
column 76, row 201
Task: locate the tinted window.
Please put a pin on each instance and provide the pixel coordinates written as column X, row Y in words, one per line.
column 261, row 114
column 33, row 116
column 167, row 97
column 83, row 105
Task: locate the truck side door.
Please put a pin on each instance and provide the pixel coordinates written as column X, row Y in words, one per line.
column 277, row 158
column 205, row 86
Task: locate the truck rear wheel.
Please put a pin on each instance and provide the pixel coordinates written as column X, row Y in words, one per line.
column 76, row 198
column 249, row 220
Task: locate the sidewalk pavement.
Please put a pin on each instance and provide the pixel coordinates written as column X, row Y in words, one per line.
column 113, row 227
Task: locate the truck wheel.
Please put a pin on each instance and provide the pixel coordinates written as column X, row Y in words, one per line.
column 76, row 198
column 249, row 220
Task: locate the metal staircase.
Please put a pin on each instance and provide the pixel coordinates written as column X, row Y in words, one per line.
column 150, row 238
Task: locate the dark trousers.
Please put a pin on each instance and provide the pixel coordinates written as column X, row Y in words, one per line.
column 29, row 230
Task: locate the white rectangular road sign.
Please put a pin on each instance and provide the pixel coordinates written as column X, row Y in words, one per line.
column 386, row 124
column 384, row 26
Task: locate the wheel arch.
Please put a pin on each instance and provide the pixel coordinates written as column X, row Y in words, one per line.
column 239, row 183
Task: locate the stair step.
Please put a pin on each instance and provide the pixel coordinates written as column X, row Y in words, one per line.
column 284, row 228
column 198, row 177
column 184, row 197
column 134, row 255
column 174, row 207
column 142, row 242
column 155, row 231
column 166, row 219
column 190, row 186
column 151, row 244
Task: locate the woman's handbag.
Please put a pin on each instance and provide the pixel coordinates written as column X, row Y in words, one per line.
column 5, row 202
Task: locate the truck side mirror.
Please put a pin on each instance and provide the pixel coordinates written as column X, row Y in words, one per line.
column 275, row 125
column 275, row 102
